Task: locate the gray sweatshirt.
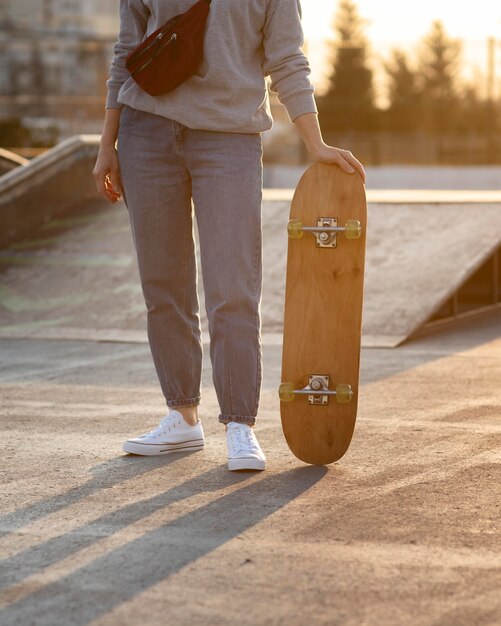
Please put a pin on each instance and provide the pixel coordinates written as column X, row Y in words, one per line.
column 245, row 41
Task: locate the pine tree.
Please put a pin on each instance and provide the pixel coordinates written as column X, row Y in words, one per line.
column 349, row 101
column 473, row 112
column 403, row 113
column 439, row 66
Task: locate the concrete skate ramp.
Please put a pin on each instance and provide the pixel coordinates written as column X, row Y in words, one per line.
column 47, row 186
column 10, row 160
column 418, row 256
column 77, row 276
column 421, row 248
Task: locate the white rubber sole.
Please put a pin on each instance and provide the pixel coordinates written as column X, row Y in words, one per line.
column 155, row 449
column 249, row 463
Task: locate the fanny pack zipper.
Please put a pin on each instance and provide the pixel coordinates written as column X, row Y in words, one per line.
column 158, row 38
column 172, row 39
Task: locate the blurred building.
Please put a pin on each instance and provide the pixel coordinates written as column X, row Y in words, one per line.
column 54, row 61
column 55, row 57
column 92, row 16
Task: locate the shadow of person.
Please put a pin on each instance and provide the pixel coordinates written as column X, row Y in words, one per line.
column 92, row 590
column 105, row 475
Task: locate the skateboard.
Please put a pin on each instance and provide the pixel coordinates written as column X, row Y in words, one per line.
column 323, row 313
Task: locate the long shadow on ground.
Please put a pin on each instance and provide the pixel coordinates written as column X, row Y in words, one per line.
column 84, row 595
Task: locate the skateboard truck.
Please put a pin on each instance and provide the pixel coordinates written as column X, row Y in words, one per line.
column 317, row 390
column 325, row 231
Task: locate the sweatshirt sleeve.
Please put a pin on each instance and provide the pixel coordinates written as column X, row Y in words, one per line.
column 284, row 60
column 133, row 24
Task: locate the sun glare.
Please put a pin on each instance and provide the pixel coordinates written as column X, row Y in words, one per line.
column 391, row 24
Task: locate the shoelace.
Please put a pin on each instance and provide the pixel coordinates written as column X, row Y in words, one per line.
column 243, row 440
column 165, row 425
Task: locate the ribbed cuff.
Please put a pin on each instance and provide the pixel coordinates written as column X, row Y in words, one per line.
column 183, row 402
column 241, row 419
column 112, row 99
column 299, row 104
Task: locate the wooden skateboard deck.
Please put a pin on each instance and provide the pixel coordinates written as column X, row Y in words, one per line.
column 323, row 313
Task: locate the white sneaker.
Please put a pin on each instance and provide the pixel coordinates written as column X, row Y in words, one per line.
column 173, row 434
column 244, row 451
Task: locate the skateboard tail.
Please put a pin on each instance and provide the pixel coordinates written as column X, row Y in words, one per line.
column 325, row 438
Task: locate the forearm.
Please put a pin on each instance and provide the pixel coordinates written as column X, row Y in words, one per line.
column 309, row 130
column 110, row 128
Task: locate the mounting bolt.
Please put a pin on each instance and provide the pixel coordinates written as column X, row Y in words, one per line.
column 316, row 384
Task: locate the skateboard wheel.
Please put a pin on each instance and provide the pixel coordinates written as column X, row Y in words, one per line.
column 344, row 393
column 353, row 229
column 295, row 229
column 286, row 392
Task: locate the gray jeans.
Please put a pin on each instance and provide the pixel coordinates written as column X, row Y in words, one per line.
column 167, row 169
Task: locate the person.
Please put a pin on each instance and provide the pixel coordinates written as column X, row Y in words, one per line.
column 199, row 147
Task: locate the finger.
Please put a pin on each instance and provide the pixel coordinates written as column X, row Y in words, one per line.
column 109, row 193
column 344, row 165
column 112, row 185
column 110, row 188
column 101, row 186
column 354, row 162
column 360, row 169
column 102, row 183
column 115, row 180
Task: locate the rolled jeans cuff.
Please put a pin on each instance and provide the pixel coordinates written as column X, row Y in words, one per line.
column 241, row 419
column 183, row 402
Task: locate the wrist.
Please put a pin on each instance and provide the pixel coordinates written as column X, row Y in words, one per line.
column 107, row 143
column 314, row 148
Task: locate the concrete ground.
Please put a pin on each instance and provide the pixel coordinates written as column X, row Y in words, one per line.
column 403, row 530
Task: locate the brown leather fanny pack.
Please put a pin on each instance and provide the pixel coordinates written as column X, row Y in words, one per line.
column 172, row 53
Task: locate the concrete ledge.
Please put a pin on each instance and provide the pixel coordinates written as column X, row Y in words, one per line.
column 47, row 186
column 406, row 196
column 10, row 160
column 433, row 196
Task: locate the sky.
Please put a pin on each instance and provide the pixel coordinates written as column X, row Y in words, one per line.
column 395, row 23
